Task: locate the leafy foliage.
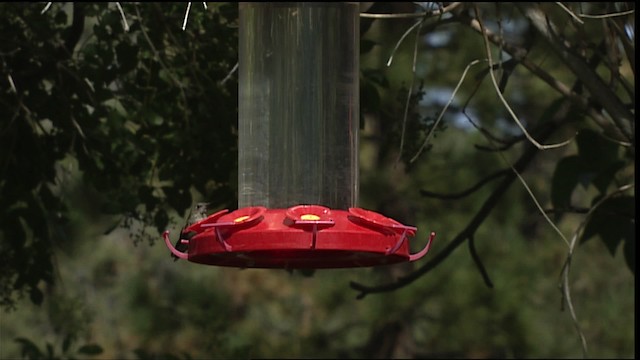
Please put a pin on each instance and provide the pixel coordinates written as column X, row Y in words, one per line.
column 614, row 222
column 144, row 134
column 598, row 163
column 32, row 352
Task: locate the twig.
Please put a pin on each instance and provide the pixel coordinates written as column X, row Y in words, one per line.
column 124, row 18
column 226, row 78
column 581, row 102
column 406, row 33
column 489, row 204
column 506, row 144
column 573, row 15
column 564, row 284
column 478, row 262
column 11, row 83
column 436, row 12
column 46, row 7
column 533, row 197
column 444, row 109
column 394, row 16
column 156, row 54
column 570, row 209
column 504, row 101
column 468, row 191
column 186, row 16
column 619, row 115
column 535, row 200
column 603, row 16
column 410, row 90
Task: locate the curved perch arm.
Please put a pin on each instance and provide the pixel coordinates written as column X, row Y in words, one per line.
column 423, row 252
column 175, row 252
column 397, row 245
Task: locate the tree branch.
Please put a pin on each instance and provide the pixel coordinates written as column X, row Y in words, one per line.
column 489, row 204
column 74, row 32
column 581, row 102
column 468, row 191
column 599, row 91
column 478, row 262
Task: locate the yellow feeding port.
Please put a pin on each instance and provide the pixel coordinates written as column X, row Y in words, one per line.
column 241, row 218
column 310, row 217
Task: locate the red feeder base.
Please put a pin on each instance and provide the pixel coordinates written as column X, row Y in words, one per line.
column 300, row 237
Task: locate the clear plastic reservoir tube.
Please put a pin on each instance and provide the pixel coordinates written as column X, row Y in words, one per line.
column 298, row 104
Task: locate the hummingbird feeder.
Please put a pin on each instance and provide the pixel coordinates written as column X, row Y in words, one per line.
column 298, row 150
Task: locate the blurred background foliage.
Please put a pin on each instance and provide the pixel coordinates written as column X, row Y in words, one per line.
column 111, row 130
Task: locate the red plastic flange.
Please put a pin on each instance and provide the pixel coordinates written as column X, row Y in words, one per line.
column 302, row 236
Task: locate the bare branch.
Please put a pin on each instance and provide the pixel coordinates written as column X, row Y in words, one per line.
column 226, row 78
column 468, row 191
column 506, row 144
column 444, row 109
column 610, row 15
column 436, row 12
column 489, row 204
column 535, row 200
column 410, row 90
column 124, row 18
column 564, row 284
column 571, row 209
column 573, row 15
column 156, row 54
column 11, row 83
column 406, row 33
column 601, row 93
column 504, row 101
column 627, row 43
column 478, row 262
column 581, row 102
column 46, row 7
column 186, row 16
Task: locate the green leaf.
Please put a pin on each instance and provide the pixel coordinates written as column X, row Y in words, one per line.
column 50, row 351
column 11, row 225
column 601, row 158
column 141, row 354
column 376, row 76
column 552, row 109
column 66, row 343
column 35, row 295
column 127, row 56
column 606, row 174
column 595, row 150
column 630, row 253
column 565, row 178
column 29, row 349
column 366, row 45
column 145, row 194
column 168, row 356
column 613, row 221
column 90, row 349
column 370, row 98
column 161, row 219
column 178, row 198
